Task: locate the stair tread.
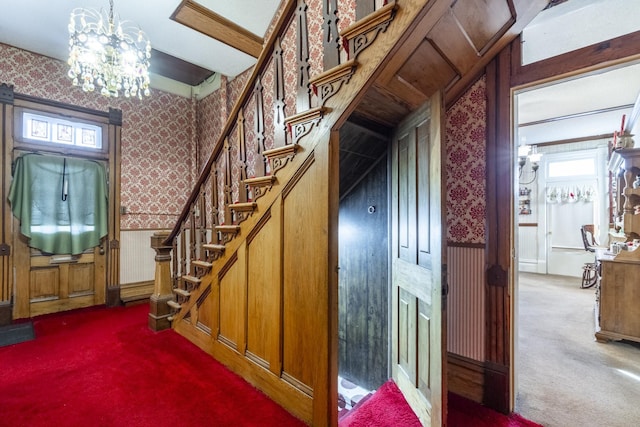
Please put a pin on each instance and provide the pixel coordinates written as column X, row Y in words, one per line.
column 181, row 292
column 243, row 206
column 260, row 180
column 213, row 247
column 191, row 279
column 174, row 304
column 227, row 227
column 203, row 264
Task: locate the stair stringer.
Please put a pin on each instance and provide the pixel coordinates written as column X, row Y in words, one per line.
column 296, row 222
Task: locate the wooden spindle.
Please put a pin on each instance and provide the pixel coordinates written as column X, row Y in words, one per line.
column 214, row 203
column 174, row 262
column 331, row 43
column 192, row 236
column 303, row 93
column 242, row 157
column 228, row 196
column 279, row 102
column 260, row 166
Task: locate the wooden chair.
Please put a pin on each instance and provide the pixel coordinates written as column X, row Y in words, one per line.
column 589, row 269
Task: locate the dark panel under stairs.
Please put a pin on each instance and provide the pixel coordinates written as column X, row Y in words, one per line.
column 362, row 281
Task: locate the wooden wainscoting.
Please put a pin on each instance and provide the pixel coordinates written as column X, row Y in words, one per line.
column 465, row 376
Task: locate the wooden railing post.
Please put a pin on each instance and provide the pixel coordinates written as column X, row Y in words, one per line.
column 159, row 311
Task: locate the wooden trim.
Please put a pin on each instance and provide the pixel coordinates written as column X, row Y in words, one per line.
column 596, row 56
column 199, row 18
column 63, row 105
column 5, row 313
column 572, row 140
column 525, row 12
column 575, row 115
column 465, row 376
column 500, row 229
column 466, row 245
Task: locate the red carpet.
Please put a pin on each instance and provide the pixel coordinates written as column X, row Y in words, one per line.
column 387, row 408
column 104, row 367
column 466, row 413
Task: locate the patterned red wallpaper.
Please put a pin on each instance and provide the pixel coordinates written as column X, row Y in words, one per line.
column 158, row 136
column 465, row 166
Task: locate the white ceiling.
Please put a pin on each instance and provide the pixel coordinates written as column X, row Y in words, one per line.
column 581, row 106
column 40, row 26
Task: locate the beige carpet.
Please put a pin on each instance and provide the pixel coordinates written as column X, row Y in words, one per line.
column 566, row 378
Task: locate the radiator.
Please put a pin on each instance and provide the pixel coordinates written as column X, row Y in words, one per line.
column 137, row 262
column 465, row 310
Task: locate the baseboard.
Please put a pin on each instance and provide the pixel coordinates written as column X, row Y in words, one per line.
column 6, row 310
column 465, row 377
column 136, row 293
column 496, row 387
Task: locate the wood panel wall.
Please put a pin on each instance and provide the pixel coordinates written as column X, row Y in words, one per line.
column 363, row 291
column 264, row 314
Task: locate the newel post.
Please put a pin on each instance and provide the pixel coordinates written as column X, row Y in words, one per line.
column 159, row 311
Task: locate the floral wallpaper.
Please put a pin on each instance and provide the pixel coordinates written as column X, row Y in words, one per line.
column 314, row 22
column 465, row 166
column 158, row 136
column 167, row 139
column 211, row 116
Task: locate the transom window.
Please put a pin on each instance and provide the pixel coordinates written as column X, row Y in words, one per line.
column 41, row 128
column 568, row 168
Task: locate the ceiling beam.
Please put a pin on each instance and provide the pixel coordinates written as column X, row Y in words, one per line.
column 575, row 115
column 199, row 18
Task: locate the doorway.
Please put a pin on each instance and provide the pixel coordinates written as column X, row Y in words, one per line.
column 363, row 254
column 574, row 161
column 65, row 232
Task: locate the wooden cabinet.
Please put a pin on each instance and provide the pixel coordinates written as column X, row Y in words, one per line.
column 625, row 166
column 618, row 292
column 618, row 301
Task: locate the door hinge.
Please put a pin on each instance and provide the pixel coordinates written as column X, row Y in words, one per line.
column 445, row 281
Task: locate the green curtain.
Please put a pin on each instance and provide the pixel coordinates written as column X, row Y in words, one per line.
column 61, row 202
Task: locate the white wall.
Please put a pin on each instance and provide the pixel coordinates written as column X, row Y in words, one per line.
column 566, row 257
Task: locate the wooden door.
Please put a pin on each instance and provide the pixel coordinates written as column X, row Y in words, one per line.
column 417, row 262
column 58, row 282
column 46, row 283
column 49, row 283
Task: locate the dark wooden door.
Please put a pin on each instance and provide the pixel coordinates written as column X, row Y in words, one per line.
column 363, row 281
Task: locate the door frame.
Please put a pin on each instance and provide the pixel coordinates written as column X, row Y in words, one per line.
column 513, row 77
column 111, row 121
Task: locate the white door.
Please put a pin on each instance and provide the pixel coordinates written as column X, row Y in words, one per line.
column 573, row 197
column 416, row 263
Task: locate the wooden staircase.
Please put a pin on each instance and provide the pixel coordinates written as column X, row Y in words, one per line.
column 327, row 84
column 248, row 275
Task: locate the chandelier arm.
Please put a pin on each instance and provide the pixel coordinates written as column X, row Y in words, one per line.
column 535, row 175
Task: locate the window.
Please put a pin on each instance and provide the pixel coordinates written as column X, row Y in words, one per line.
column 568, row 168
column 41, row 128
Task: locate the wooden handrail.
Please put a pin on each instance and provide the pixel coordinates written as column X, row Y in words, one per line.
column 263, row 60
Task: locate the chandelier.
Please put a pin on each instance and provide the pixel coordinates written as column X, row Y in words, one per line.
column 530, row 153
column 108, row 54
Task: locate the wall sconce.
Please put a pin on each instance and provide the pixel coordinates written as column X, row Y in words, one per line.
column 529, row 152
